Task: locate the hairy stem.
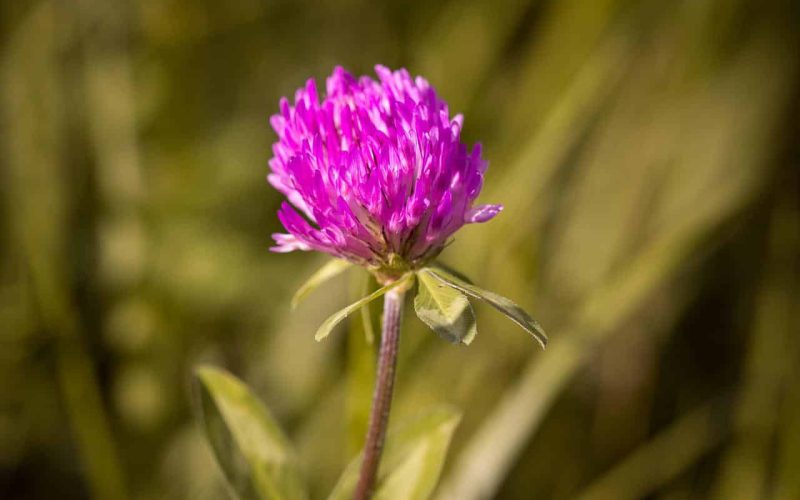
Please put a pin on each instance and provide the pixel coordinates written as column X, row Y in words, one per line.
column 382, row 397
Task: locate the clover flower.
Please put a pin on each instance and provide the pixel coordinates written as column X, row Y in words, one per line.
column 375, row 172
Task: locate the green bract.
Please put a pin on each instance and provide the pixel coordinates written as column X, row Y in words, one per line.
column 502, row 304
column 323, row 274
column 445, row 309
column 441, row 302
column 338, row 316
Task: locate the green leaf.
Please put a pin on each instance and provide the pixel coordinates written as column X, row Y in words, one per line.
column 502, row 304
column 445, row 309
column 329, row 270
column 328, row 325
column 412, row 461
column 248, row 444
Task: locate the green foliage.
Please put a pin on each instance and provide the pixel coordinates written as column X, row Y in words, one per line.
column 502, row 304
column 366, row 317
column 641, row 150
column 331, row 269
column 328, row 325
column 257, row 459
column 445, row 309
column 260, row 464
column 412, row 462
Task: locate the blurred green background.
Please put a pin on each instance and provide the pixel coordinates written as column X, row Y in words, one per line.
column 646, row 152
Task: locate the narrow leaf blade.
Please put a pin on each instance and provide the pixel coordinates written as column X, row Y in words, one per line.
column 502, row 304
column 332, row 268
column 253, row 453
column 445, row 309
column 412, row 461
column 328, row 325
column 366, row 317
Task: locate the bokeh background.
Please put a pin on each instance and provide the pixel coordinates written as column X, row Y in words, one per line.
column 646, row 152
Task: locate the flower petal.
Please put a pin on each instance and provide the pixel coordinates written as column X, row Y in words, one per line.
column 482, row 213
column 373, row 168
column 287, row 243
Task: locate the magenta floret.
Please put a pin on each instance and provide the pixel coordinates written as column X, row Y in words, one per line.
column 375, row 173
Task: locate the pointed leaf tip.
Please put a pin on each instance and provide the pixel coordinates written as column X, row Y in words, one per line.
column 255, row 456
column 506, row 306
column 328, row 325
column 331, row 269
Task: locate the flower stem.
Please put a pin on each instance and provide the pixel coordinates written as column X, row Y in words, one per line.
column 382, row 397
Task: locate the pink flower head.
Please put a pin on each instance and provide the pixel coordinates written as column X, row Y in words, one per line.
column 374, row 173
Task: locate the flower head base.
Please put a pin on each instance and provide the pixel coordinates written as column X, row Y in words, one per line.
column 374, row 173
